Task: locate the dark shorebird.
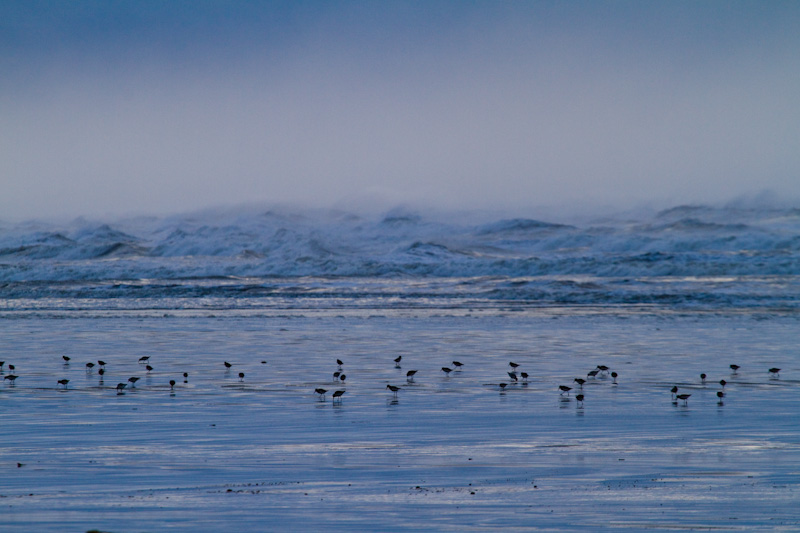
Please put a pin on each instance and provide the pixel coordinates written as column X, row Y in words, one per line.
column 337, row 396
column 614, row 377
column 342, row 378
column 64, row 357
column 186, row 377
column 564, row 388
column 513, row 365
column 458, row 365
column 513, row 375
column 11, row 367
column 101, row 372
column 89, row 366
column 172, row 384
column 579, row 381
column 321, row 392
column 735, row 368
column 410, row 375
column 503, row 386
column 674, row 391
column 144, row 358
column 1, row 365
column 683, row 397
column 446, row 370
column 703, row 379
column 603, row 368
column 241, row 376
column 720, row 395
column 592, row 373
column 722, row 383
column 227, row 365
column 133, row 381
column 397, row 361
column 394, row 389
column 579, row 397
column 148, row 368
column 775, row 372
column 524, row 376
column 336, row 375
column 11, row 378
column 102, row 363
column 120, row 386
column 340, row 363
column 63, row 382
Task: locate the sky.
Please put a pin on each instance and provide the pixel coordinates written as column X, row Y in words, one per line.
column 150, row 107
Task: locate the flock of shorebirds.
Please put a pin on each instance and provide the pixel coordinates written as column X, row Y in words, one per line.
column 339, row 377
column 773, row 372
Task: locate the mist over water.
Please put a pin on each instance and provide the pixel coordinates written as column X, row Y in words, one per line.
column 162, row 109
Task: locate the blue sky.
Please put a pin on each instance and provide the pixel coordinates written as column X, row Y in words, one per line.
column 121, row 107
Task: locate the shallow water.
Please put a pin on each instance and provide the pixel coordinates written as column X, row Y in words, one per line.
column 450, row 453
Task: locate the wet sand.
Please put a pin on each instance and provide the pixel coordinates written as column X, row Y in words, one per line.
column 449, row 453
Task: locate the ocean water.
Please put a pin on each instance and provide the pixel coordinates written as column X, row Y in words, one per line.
column 659, row 298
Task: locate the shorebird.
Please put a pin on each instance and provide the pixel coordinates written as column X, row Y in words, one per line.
column 592, row 373
column 579, row 397
column 1, row 365
column 503, row 386
column 64, row 357
column 720, row 395
column 674, row 391
column 101, row 363
column 89, row 366
column 446, row 370
column 394, row 389
column 775, row 372
column 703, row 379
column 397, row 361
column 513, row 376
column 101, row 372
column 735, row 368
column 120, row 386
column 148, row 368
column 321, row 392
column 336, row 375
column 602, row 368
column 722, row 382
column 172, row 384
column 340, row 363
column 11, row 378
column 683, row 397
column 186, row 377
column 63, row 382
column 227, row 365
column 614, row 377
column 11, row 367
column 342, row 378
column 524, row 376
column 564, row 389
column 337, row 395
column 144, row 358
column 458, row 365
column 410, row 375
column 513, row 365
column 579, row 381
column 133, row 381
column 241, row 376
